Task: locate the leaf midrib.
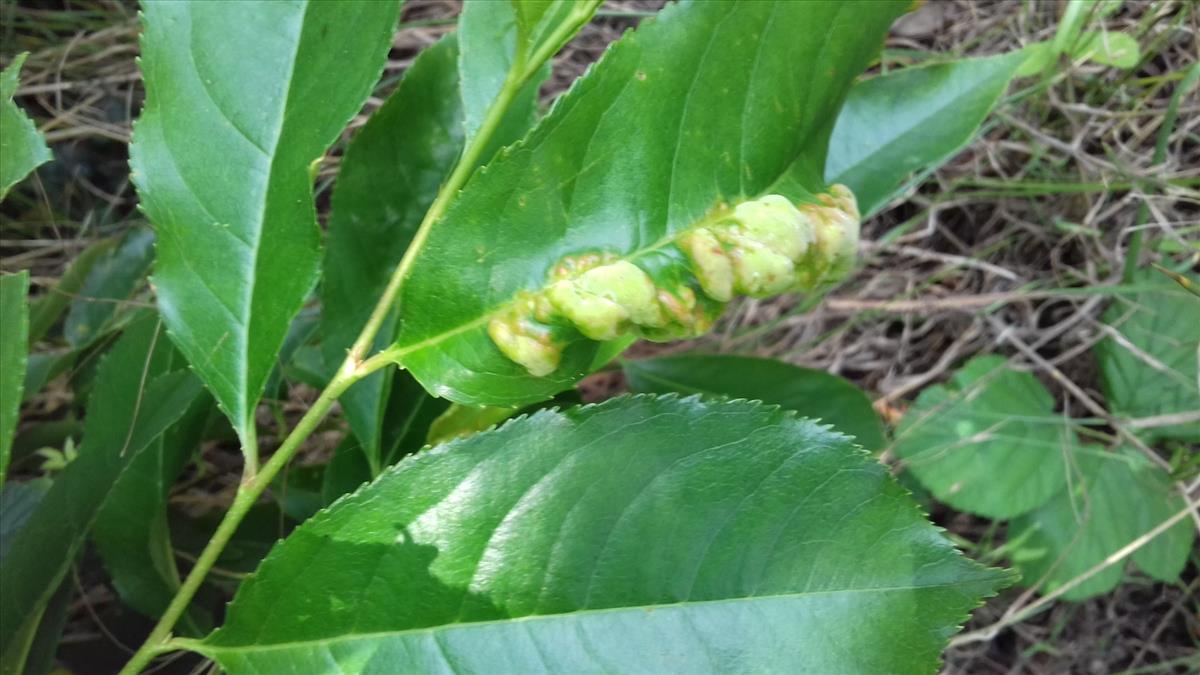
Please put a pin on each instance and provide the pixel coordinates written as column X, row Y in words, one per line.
column 207, row 648
column 248, row 298
column 399, row 352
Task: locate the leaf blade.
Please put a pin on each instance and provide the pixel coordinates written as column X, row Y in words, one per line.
column 390, row 176
column 612, row 170
column 988, row 441
column 221, row 155
column 573, row 517
column 1119, row 497
column 910, row 119
column 22, row 147
column 1149, row 363
column 815, row 394
column 14, row 351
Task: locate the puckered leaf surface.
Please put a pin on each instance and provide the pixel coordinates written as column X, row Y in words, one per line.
column 708, row 103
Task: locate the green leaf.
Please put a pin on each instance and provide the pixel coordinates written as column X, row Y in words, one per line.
column 912, row 119
column 1148, row 366
column 19, row 500
column 14, row 349
column 111, row 280
column 1111, row 49
column 529, row 13
column 487, row 40
column 131, row 532
column 643, row 534
column 22, row 148
column 388, row 179
column 544, row 26
column 241, row 100
column 133, row 401
column 708, row 103
column 988, row 441
column 32, row 651
column 45, row 310
column 462, row 420
column 345, row 472
column 1119, row 497
column 45, row 366
column 811, row 393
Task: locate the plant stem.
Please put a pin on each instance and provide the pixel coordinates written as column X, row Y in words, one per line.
column 248, row 493
column 449, row 190
column 353, row 368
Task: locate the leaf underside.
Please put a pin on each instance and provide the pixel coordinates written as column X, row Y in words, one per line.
column 813, row 394
column 643, row 534
column 911, row 119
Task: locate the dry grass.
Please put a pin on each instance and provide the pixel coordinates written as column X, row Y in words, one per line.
column 1050, row 196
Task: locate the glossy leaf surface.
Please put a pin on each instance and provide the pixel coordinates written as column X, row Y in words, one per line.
column 910, row 119
column 709, row 102
column 242, row 99
column 389, row 177
column 1151, row 366
column 1119, row 497
column 639, row 535
column 14, row 349
column 988, row 441
column 22, row 148
column 133, row 401
column 109, row 283
column 814, row 394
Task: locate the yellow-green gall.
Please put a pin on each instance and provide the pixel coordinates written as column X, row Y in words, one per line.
column 572, row 266
column 836, row 224
column 627, row 285
column 759, row 271
column 679, row 306
column 525, row 343
column 776, row 223
column 686, row 316
column 710, row 263
column 596, row 317
column 841, row 198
